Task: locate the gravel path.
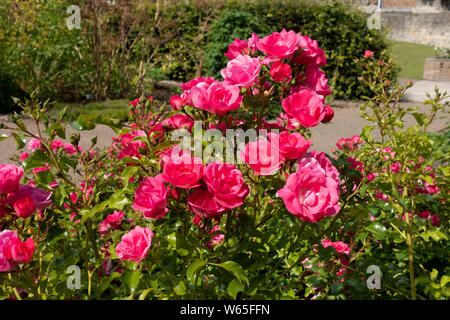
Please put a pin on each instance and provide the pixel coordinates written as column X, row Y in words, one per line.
column 346, row 123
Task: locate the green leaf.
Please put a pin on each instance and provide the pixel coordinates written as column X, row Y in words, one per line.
column 118, row 200
column 20, row 140
column 83, row 123
column 195, row 267
column 234, row 287
column 377, row 229
column 235, row 269
column 420, row 118
column 433, row 274
column 128, row 172
column 131, row 279
column 86, row 214
column 180, row 289
column 436, row 235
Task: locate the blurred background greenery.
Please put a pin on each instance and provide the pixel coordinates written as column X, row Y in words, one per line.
column 124, row 47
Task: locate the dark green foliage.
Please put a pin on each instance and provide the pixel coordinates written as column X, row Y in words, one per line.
column 341, row 31
column 234, row 23
column 8, row 89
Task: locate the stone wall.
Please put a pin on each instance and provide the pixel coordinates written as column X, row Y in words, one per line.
column 423, row 28
column 437, row 69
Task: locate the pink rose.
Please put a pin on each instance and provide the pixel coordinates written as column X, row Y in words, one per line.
column 218, row 98
column 151, row 197
column 112, row 221
column 56, row 144
column 179, row 121
column 183, row 171
column 329, row 114
column 312, row 192
column 305, row 106
column 316, row 80
column 70, row 149
column 226, row 184
column 135, row 244
column 236, row 48
column 423, row 214
column 34, row 144
column 176, row 102
column 309, row 52
column 13, row 250
column 10, row 176
column 194, row 82
column 41, row 197
column 262, row 156
column 368, row 54
column 24, row 156
column 22, row 251
column 242, row 71
column 435, row 220
column 202, row 203
column 6, row 263
column 253, row 42
column 280, row 72
column 24, row 206
column 291, row 145
column 340, row 246
column 281, row 45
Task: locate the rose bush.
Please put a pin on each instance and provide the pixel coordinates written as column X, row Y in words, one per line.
column 164, row 213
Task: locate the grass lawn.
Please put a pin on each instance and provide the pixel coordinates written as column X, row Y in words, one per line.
column 108, row 109
column 410, row 57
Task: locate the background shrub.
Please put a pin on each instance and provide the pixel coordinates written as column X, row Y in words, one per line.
column 339, row 29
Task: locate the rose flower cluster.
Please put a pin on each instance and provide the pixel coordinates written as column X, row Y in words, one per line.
column 282, row 69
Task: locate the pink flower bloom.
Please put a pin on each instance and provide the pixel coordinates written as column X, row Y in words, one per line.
column 305, row 106
column 6, row 263
column 236, row 48
column 176, row 102
column 13, row 250
column 151, row 197
column 310, row 53
column 112, row 221
column 435, row 220
column 24, row 156
column 216, row 239
column 202, row 203
column 226, row 184
column 218, row 98
column 70, row 149
column 242, row 71
column 195, row 82
column 291, row 145
column 41, row 198
column 135, row 244
column 281, row 45
column 183, row 171
column 316, row 80
column 34, row 144
column 329, row 114
column 368, row 54
column 179, row 121
column 252, row 43
column 280, row 72
column 263, row 157
column 24, row 206
column 56, row 144
column 10, row 176
column 340, row 246
column 312, row 192
column 423, row 214
column 22, row 251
